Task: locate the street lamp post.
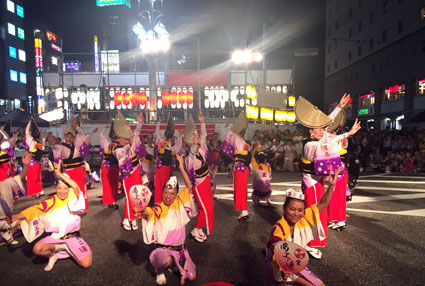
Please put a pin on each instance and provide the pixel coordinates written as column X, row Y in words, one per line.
column 153, row 39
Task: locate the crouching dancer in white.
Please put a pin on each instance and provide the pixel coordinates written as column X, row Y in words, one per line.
column 60, row 216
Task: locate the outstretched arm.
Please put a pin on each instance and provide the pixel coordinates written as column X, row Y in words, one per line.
column 183, row 171
column 324, row 201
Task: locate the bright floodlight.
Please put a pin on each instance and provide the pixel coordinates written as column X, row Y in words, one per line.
column 153, row 41
column 237, row 57
column 258, row 57
column 247, row 56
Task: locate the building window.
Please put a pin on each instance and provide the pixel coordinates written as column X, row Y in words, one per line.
column 373, row 68
column 11, row 29
column 329, row 31
column 329, row 49
column 329, row 68
column 356, row 75
column 371, row 18
column 22, row 56
column 350, row 12
column 21, row 33
column 10, row 6
column 350, row 33
column 360, row 26
column 422, row 13
column 367, row 99
column 336, row 64
column 349, row 56
column 23, row 77
column 336, row 25
column 370, row 44
column 359, row 50
column 19, row 11
column 394, row 92
column 400, row 26
column 12, row 52
column 330, row 14
column 384, row 36
column 13, row 75
column 385, row 7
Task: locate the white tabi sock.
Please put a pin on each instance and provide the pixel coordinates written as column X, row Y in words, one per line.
column 52, row 261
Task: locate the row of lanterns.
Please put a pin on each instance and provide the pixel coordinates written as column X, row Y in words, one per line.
column 173, row 97
column 133, row 98
column 266, row 114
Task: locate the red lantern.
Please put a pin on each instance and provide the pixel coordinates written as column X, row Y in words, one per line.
column 117, row 98
column 184, row 98
column 181, row 97
column 165, row 98
column 174, row 97
column 144, row 98
column 189, row 97
column 134, row 98
column 139, row 97
column 126, row 98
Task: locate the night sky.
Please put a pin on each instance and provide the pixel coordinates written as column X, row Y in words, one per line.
column 290, row 23
column 221, row 25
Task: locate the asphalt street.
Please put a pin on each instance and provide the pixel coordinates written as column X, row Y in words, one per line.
column 383, row 243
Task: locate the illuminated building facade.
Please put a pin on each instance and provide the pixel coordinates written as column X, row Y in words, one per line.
column 13, row 74
column 375, row 51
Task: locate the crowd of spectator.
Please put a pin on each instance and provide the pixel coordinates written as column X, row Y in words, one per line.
column 375, row 151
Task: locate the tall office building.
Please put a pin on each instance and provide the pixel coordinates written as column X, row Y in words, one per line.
column 13, row 83
column 375, row 50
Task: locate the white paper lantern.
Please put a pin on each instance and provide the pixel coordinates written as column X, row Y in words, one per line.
column 159, row 104
column 111, row 105
column 206, row 103
column 74, row 97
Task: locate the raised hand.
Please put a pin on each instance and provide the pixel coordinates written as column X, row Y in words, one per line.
column 57, row 166
column 356, row 127
column 73, row 121
column 344, row 100
column 95, row 130
column 141, row 117
column 27, row 158
column 334, row 177
column 201, row 117
column 180, row 159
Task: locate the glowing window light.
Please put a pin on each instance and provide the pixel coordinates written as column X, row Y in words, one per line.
column 266, row 114
column 252, row 112
column 291, row 116
column 11, row 29
column 291, row 101
column 19, row 11
column 280, row 115
column 21, row 33
column 10, row 6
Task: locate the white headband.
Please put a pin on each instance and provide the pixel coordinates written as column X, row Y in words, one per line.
column 172, row 183
column 294, row 194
